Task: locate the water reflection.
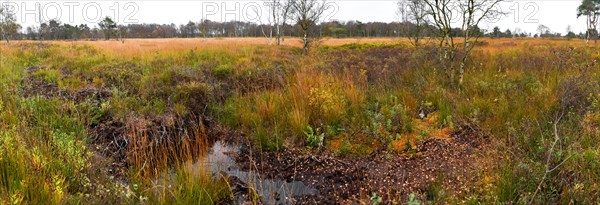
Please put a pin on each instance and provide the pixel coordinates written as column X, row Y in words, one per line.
column 218, row 161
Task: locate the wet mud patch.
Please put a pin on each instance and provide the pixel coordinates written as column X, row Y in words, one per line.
column 247, row 186
column 450, row 163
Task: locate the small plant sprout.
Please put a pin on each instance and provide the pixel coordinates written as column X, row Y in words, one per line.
column 412, row 200
column 313, row 138
column 375, row 200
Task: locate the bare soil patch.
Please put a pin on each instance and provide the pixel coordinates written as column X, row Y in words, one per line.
column 450, row 163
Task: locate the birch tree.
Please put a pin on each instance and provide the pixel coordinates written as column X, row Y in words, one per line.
column 8, row 23
column 413, row 12
column 442, row 14
column 279, row 11
column 474, row 11
column 307, row 14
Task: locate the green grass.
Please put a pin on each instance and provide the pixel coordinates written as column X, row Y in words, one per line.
column 50, row 76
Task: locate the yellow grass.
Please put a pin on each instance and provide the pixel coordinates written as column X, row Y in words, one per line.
column 133, row 47
column 140, row 46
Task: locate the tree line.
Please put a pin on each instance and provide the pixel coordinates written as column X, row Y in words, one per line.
column 302, row 18
column 55, row 30
column 108, row 29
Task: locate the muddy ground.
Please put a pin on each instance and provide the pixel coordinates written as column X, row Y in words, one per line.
column 449, row 163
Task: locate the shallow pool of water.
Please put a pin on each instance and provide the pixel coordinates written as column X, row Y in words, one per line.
column 272, row 191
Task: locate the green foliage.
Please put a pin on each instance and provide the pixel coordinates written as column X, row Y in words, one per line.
column 47, row 161
column 223, row 70
column 334, row 130
column 362, row 46
column 375, row 200
column 92, row 112
column 388, row 119
column 347, row 148
column 412, row 200
column 269, row 142
column 227, row 113
column 70, row 83
column 314, row 138
column 49, row 75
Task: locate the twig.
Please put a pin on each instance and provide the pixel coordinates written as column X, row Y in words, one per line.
column 548, row 160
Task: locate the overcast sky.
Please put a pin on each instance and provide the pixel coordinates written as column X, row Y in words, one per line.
column 523, row 15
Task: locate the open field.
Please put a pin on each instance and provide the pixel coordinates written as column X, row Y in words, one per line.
column 354, row 121
column 140, row 46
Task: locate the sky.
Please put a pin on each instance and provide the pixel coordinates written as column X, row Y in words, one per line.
column 521, row 15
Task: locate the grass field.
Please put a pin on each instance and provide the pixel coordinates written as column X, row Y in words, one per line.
column 100, row 122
